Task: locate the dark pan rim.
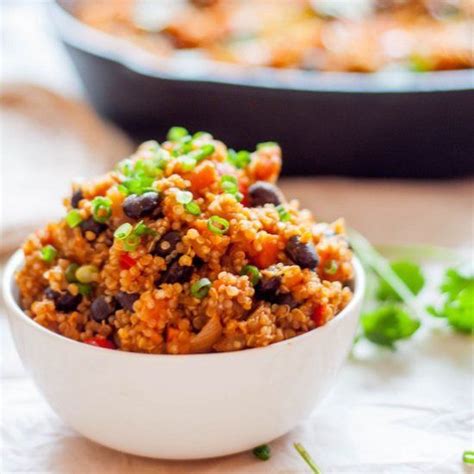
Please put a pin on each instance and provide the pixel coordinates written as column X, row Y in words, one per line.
column 80, row 36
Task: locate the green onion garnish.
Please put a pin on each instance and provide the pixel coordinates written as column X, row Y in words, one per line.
column 101, row 209
column 142, row 229
column 48, row 253
column 307, row 458
column 283, row 213
column 131, row 243
column 468, row 457
column 84, row 289
column 192, row 208
column 175, row 133
column 262, row 452
column 73, row 218
column 252, row 272
column 229, row 184
column 184, row 197
column 266, row 145
column 123, row 231
column 87, row 273
column 201, row 288
column 188, row 163
column 218, row 225
column 240, row 159
column 206, row 150
column 71, row 272
column 331, row 267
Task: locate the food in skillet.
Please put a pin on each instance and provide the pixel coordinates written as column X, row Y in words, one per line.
column 326, row 35
column 186, row 247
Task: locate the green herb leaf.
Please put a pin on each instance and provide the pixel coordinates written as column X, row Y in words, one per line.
column 458, row 306
column 371, row 258
column 262, row 452
column 410, row 273
column 388, row 324
column 307, row 458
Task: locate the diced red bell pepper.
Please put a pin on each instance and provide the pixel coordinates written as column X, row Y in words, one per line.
column 126, row 262
column 100, row 342
column 318, row 315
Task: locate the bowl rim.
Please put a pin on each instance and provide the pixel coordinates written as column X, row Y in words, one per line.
column 88, row 39
column 17, row 259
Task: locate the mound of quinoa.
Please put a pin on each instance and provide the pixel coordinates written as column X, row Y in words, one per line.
column 186, row 247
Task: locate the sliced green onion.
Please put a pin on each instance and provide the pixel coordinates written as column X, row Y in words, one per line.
column 123, row 189
column 206, row 150
column 201, row 288
column 123, row 231
column 71, row 272
column 48, row 253
column 87, row 273
column 266, row 145
column 239, row 159
column 192, row 208
column 239, row 196
column 229, row 184
column 188, row 163
column 307, row 458
column 175, row 133
column 218, row 225
column 84, row 289
column 131, row 243
column 184, row 145
column 73, row 218
column 468, row 457
column 184, row 197
column 331, row 267
column 101, row 209
column 262, row 452
column 126, row 167
column 142, row 229
column 252, row 272
column 283, row 213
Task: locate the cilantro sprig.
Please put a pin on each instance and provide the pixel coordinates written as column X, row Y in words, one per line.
column 399, row 317
column 457, row 289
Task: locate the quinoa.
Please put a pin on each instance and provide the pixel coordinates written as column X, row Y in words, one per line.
column 186, row 246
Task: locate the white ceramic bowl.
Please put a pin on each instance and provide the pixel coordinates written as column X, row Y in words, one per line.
column 182, row 406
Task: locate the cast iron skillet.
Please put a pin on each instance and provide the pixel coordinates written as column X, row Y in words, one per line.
column 396, row 124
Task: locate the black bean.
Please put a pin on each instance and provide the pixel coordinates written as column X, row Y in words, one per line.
column 76, row 197
column 267, row 288
column 90, row 225
column 167, row 244
column 261, row 193
column 302, row 254
column 287, row 298
column 137, row 207
column 50, row 294
column 66, row 302
column 175, row 273
column 101, row 309
column 126, row 300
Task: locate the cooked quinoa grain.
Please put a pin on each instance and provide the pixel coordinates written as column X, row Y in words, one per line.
column 182, row 249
